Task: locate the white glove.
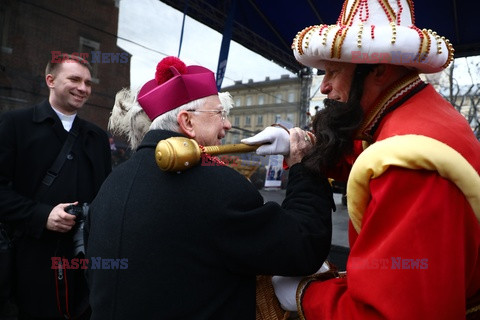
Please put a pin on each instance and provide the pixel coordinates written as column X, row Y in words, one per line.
column 276, row 140
column 286, row 289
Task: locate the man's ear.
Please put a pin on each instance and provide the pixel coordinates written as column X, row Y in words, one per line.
column 381, row 73
column 184, row 119
column 49, row 79
column 386, row 74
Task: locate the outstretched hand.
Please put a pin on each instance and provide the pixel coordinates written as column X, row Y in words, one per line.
column 274, row 140
column 301, row 142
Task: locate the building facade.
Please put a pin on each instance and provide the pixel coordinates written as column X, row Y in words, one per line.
column 259, row 104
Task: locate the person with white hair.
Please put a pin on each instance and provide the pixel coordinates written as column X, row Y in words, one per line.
column 189, row 244
column 129, row 120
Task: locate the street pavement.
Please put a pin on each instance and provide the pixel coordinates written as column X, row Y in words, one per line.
column 340, row 247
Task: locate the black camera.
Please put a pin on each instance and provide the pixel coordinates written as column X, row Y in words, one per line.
column 81, row 212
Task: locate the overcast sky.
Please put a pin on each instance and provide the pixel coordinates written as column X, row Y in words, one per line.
column 153, row 30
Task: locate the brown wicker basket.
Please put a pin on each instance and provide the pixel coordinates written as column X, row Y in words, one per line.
column 267, row 305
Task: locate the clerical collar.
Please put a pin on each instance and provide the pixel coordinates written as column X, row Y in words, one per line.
column 67, row 120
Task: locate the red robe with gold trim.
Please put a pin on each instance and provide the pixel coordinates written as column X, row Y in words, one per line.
column 417, row 252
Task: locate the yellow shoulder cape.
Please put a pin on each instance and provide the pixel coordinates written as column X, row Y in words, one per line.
column 411, row 152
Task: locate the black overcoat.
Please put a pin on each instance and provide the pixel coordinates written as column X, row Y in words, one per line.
column 30, row 140
column 167, row 245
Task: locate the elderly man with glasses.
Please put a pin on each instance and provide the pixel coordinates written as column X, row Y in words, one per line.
column 188, row 245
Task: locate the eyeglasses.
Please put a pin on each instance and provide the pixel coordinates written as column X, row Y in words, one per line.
column 223, row 113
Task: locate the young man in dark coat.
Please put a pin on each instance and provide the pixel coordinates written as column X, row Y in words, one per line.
column 30, row 141
column 188, row 245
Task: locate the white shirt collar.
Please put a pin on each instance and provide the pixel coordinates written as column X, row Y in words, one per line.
column 67, row 120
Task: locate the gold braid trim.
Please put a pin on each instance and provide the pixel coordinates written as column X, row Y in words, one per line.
column 473, row 310
column 299, row 295
column 305, row 282
column 412, row 13
column 347, row 21
column 425, row 43
column 397, row 90
column 389, row 12
column 451, row 52
column 473, row 307
column 340, row 35
column 414, row 152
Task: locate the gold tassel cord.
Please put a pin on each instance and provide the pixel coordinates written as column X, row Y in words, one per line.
column 180, row 153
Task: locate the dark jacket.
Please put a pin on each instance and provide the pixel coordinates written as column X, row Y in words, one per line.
column 30, row 140
column 188, row 245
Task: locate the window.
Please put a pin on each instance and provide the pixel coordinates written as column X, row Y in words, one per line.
column 261, row 99
column 259, row 120
column 291, row 97
column 247, row 121
column 90, row 47
column 278, row 98
column 238, row 102
column 249, row 100
column 278, row 117
column 236, row 121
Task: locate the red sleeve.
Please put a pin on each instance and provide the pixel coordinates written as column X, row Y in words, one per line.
column 416, row 256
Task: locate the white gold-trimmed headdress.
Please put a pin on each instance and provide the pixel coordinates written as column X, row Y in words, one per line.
column 374, row 31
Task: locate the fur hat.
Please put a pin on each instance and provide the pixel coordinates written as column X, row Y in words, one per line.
column 374, row 31
column 128, row 119
column 174, row 85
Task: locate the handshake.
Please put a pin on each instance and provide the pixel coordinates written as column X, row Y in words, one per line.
column 277, row 140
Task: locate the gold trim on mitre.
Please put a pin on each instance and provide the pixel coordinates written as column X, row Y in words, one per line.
column 414, row 152
column 394, row 39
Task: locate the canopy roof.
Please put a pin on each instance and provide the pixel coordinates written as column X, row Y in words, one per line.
column 268, row 27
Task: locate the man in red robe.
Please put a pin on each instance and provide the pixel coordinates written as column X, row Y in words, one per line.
column 412, row 163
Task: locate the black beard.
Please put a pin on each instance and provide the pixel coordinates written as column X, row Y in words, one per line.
column 335, row 127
